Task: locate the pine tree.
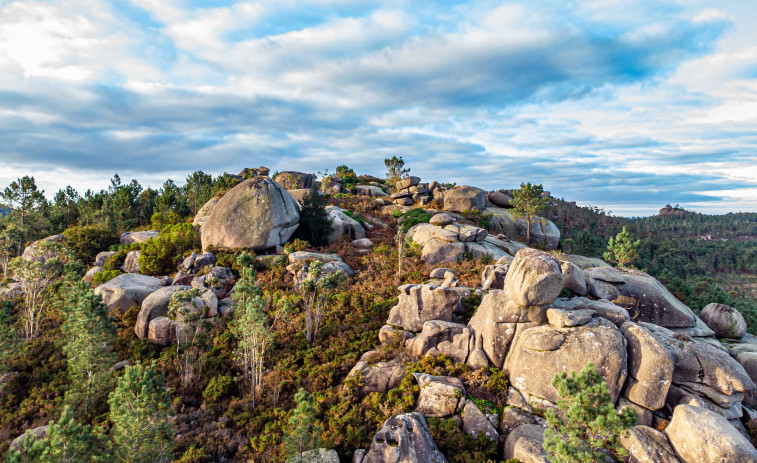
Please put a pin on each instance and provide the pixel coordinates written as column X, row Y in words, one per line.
column 395, row 169
column 67, row 441
column 252, row 328
column 139, row 410
column 90, row 337
column 315, row 226
column 590, row 425
column 186, row 308
column 10, row 240
column 26, row 199
column 199, row 189
column 303, row 430
column 315, row 291
column 622, row 249
column 527, row 202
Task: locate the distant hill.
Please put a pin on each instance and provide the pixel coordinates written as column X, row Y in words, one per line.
column 4, row 210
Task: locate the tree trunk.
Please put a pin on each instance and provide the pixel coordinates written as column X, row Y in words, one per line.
column 528, row 229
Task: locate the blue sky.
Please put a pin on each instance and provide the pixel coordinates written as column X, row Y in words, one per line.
column 627, row 105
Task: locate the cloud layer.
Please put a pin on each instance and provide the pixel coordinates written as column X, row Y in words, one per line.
column 623, row 104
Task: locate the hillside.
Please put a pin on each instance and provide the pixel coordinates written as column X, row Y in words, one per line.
column 253, row 317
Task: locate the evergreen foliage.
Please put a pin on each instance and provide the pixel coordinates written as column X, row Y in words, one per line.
column 36, row 277
column 252, row 327
column 90, row 336
column 622, row 249
column 187, row 309
column 315, row 226
column 590, row 426
column 199, row 189
column 161, row 255
column 303, row 431
column 395, row 169
column 314, row 292
column 528, row 202
column 139, row 410
column 9, row 340
column 414, row 217
column 67, row 441
column 10, row 239
column 88, row 240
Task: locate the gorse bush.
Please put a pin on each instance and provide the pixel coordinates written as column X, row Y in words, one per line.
column 161, row 255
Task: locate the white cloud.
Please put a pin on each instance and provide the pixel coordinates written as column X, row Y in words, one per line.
column 603, row 101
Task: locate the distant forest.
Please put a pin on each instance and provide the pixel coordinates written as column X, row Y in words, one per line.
column 700, row 258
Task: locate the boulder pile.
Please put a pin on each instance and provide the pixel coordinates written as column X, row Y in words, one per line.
column 654, row 353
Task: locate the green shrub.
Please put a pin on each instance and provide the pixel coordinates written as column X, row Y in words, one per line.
column 397, row 213
column 194, row 454
column 219, row 387
column 116, row 261
column 460, row 447
column 349, row 179
column 161, row 220
column 315, row 226
column 414, row 217
column 87, row 241
column 105, row 276
column 161, row 254
column 296, row 245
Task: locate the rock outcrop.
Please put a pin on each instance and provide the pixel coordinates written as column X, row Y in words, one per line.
column 127, row 290
column 155, row 305
column 258, row 214
column 725, row 321
column 699, row 435
column 525, row 444
column 464, row 198
column 343, row 224
column 420, row 303
column 293, row 180
column 440, row 396
column 203, row 214
column 539, row 353
column 35, row 253
column 137, row 236
column 404, row 438
column 648, row 445
column 650, row 367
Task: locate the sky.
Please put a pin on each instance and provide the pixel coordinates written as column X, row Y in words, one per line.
column 623, row 104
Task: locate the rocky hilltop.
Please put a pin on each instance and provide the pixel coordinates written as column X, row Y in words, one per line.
column 461, row 340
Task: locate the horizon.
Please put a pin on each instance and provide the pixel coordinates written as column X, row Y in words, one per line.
column 627, row 106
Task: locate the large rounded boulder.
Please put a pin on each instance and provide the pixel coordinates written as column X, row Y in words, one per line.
column 464, row 198
column 699, row 435
column 725, row 321
column 258, row 213
column 127, row 290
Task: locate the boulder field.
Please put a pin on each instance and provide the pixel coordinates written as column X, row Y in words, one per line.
column 684, row 376
column 536, row 314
